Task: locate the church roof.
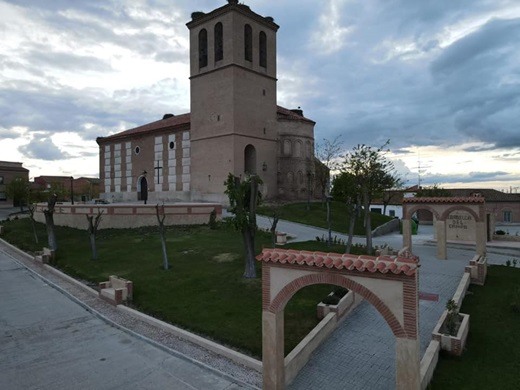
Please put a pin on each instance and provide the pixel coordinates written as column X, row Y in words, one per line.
column 179, row 122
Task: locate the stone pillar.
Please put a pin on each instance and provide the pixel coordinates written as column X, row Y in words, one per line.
column 407, row 364
column 481, row 236
column 273, row 372
column 407, row 234
column 440, row 227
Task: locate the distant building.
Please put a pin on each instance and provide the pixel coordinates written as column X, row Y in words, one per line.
column 8, row 172
column 505, row 207
column 235, row 125
column 82, row 189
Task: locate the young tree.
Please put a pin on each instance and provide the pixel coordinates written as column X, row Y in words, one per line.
column 243, row 199
column 373, row 173
column 329, row 153
column 93, row 224
column 18, row 190
column 159, row 211
column 49, row 221
column 346, row 189
column 32, row 208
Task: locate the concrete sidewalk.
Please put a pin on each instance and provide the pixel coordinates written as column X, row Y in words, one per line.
column 49, row 341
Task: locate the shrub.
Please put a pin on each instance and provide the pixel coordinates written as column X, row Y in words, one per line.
column 452, row 318
column 331, row 300
column 500, row 233
column 340, row 292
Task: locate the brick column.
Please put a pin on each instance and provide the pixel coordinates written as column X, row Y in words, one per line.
column 273, row 371
column 440, row 227
column 407, row 364
column 407, row 234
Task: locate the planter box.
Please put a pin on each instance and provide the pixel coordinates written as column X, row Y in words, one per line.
column 281, row 238
column 343, row 305
column 452, row 344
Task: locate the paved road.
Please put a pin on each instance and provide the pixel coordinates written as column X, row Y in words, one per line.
column 47, row 341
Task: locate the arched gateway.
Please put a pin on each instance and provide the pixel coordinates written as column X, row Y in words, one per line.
column 389, row 283
column 441, row 208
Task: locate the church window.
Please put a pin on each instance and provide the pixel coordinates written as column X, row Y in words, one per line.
column 263, row 50
column 219, row 42
column 248, row 43
column 298, row 149
column 172, row 144
column 290, row 178
column 137, row 149
column 300, row 177
column 203, row 48
column 287, row 147
column 308, row 149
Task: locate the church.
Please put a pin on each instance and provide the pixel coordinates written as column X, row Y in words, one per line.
column 235, row 125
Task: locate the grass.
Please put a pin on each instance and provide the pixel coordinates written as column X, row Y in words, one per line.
column 492, row 356
column 204, row 290
column 317, row 216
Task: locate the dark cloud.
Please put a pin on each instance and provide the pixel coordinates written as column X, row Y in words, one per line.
column 41, row 147
column 41, row 56
column 472, row 177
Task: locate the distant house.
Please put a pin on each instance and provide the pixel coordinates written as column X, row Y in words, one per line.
column 505, row 207
column 81, row 189
column 8, row 172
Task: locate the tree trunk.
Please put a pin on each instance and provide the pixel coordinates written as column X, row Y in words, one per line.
column 249, row 241
column 249, row 233
column 93, row 246
column 273, row 229
column 368, row 224
column 159, row 212
column 352, row 224
column 49, row 222
column 166, row 264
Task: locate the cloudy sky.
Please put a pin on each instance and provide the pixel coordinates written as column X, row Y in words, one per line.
column 439, row 78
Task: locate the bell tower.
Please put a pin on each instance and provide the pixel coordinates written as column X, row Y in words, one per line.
column 233, row 99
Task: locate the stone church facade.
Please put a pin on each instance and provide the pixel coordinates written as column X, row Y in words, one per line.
column 235, row 125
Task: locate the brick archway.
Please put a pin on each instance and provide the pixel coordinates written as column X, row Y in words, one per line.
column 441, row 208
column 389, row 283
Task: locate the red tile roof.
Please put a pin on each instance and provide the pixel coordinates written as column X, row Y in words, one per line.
column 382, row 264
column 455, row 199
column 171, row 122
column 184, row 120
column 284, row 113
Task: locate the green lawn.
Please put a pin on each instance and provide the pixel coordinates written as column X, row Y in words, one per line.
column 203, row 291
column 317, row 216
column 492, row 356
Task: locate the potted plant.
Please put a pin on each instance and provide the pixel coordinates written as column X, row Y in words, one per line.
column 452, row 329
column 338, row 301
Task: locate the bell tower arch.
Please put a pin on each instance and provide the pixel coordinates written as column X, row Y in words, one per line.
column 233, row 97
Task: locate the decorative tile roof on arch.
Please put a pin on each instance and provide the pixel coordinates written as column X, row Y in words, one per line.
column 382, row 264
column 461, row 199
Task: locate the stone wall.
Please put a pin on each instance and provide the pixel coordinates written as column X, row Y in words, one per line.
column 121, row 216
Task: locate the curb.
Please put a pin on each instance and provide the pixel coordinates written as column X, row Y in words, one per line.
column 139, row 315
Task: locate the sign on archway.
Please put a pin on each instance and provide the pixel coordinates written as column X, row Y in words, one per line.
column 441, row 208
column 389, row 283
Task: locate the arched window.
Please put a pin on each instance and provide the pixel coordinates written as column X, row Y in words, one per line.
column 262, row 49
column 298, row 149
column 203, row 48
column 290, row 178
column 287, row 147
column 250, row 159
column 308, row 150
column 300, row 178
column 219, row 42
column 248, row 43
